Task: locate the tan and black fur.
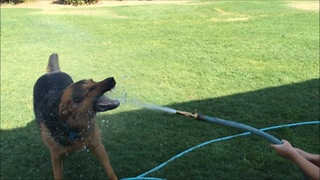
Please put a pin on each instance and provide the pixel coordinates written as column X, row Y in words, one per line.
column 65, row 112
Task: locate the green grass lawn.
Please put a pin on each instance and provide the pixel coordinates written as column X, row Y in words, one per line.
column 254, row 62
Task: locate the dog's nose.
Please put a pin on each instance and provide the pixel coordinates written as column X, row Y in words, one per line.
column 108, row 83
column 110, row 80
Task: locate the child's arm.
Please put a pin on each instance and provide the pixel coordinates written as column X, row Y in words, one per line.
column 285, row 150
column 308, row 167
column 314, row 158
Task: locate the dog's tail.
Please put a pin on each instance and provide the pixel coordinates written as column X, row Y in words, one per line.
column 53, row 64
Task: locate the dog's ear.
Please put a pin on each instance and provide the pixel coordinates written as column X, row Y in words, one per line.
column 66, row 101
column 64, row 108
column 64, row 112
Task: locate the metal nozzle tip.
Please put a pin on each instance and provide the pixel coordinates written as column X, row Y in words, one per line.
column 186, row 113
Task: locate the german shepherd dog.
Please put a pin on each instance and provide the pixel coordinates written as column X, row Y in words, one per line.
column 65, row 112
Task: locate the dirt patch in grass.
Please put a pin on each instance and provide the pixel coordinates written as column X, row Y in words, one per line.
column 225, row 16
column 230, row 19
column 305, row 5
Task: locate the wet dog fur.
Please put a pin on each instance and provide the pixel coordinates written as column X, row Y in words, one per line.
column 65, row 112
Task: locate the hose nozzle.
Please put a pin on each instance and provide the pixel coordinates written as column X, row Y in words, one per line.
column 188, row 114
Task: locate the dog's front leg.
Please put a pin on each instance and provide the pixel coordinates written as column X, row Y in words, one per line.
column 100, row 152
column 57, row 165
column 97, row 148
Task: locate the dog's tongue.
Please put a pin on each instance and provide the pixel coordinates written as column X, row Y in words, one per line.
column 105, row 104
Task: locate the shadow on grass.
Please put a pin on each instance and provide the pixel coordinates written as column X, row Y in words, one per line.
column 139, row 140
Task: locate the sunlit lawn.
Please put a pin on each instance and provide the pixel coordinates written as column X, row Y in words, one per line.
column 255, row 62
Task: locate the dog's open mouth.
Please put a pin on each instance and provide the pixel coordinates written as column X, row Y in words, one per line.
column 104, row 103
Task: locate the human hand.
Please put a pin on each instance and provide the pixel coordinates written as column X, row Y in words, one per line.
column 285, row 150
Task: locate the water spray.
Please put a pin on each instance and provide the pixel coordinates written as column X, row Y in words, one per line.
column 205, row 118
